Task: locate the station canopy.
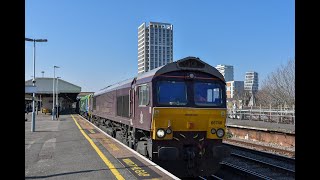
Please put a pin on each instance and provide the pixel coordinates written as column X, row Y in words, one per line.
column 44, row 86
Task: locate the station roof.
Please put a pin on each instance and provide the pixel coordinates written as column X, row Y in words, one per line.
column 45, row 86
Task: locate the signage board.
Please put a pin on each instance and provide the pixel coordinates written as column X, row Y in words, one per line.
column 30, row 89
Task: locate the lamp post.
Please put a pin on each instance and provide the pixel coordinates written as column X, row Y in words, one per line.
column 53, row 97
column 57, row 101
column 34, row 78
column 42, row 73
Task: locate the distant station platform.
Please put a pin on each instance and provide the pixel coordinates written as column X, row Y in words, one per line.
column 74, row 148
column 261, row 125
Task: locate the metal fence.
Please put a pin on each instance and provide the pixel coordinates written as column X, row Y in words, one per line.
column 280, row 115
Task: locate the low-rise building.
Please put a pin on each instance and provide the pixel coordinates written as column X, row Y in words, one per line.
column 65, row 94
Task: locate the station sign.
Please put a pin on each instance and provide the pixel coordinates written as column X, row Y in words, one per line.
column 30, row 89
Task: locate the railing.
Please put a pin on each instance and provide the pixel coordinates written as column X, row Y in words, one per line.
column 283, row 115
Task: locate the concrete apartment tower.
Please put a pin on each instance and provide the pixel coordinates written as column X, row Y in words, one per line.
column 155, row 45
column 226, row 71
column 251, row 82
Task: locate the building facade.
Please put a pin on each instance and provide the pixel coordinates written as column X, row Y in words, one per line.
column 226, row 71
column 155, row 45
column 251, row 82
column 234, row 88
column 65, row 94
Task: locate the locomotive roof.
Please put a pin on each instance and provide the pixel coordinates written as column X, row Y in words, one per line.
column 188, row 63
column 86, row 97
column 113, row 87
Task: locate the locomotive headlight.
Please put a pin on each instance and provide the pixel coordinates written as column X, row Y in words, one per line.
column 213, row 130
column 161, row 133
column 191, row 75
column 220, row 133
column 168, row 131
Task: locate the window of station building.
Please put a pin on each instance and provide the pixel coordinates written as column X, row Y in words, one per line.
column 143, row 95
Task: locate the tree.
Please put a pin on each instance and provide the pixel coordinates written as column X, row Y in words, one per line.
column 245, row 97
column 279, row 86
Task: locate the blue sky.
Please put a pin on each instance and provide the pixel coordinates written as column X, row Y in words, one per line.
column 95, row 42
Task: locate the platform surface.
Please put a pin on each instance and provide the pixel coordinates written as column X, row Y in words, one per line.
column 261, row 125
column 73, row 148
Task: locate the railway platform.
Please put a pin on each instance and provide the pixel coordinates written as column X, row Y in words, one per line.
column 73, row 148
column 261, row 125
column 275, row 134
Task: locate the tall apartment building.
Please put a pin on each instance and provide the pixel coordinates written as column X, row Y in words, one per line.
column 226, row 71
column 234, row 87
column 155, row 45
column 251, row 82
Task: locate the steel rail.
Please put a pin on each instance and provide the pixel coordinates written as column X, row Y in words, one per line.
column 263, row 162
column 261, row 147
column 244, row 171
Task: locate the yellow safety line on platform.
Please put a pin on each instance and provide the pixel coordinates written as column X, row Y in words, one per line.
column 102, row 156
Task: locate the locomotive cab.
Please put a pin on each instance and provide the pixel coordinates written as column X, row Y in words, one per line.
column 188, row 119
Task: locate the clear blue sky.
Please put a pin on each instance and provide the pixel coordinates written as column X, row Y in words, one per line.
column 95, row 42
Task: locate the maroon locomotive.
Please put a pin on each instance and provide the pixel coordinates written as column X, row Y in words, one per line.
column 175, row 115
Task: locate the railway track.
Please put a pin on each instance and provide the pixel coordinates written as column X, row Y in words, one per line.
column 251, row 164
column 263, row 154
column 261, row 147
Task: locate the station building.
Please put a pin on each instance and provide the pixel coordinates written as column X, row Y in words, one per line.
column 67, row 94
